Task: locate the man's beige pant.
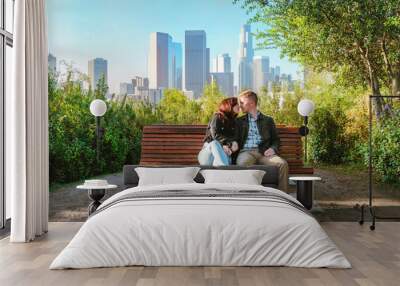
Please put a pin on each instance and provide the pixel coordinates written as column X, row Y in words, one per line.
column 253, row 157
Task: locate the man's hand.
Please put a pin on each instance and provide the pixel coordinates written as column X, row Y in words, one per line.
column 269, row 152
column 227, row 150
column 234, row 146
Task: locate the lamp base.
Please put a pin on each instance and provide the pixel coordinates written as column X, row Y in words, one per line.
column 374, row 216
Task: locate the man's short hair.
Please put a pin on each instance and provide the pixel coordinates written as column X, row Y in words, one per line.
column 249, row 94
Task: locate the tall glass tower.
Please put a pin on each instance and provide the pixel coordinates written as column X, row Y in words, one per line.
column 96, row 69
column 260, row 72
column 177, row 65
column 160, row 61
column 246, row 54
column 195, row 62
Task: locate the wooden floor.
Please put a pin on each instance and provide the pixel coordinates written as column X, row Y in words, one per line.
column 375, row 257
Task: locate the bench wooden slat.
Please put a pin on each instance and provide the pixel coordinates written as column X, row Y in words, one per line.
column 180, row 145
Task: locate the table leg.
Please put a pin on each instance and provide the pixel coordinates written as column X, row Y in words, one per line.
column 96, row 196
column 305, row 193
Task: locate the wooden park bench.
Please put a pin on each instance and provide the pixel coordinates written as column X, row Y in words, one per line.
column 180, row 144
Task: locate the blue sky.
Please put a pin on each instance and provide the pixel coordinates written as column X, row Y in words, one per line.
column 118, row 30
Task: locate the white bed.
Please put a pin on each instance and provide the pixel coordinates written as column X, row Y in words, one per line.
column 188, row 231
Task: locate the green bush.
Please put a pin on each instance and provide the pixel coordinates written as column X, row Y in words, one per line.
column 386, row 148
column 327, row 140
column 72, row 132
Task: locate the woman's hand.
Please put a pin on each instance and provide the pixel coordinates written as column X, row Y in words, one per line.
column 234, row 146
column 227, row 150
column 269, row 152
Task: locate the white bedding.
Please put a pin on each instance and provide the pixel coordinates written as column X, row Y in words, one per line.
column 200, row 231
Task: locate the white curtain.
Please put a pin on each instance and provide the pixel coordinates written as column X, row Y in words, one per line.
column 27, row 124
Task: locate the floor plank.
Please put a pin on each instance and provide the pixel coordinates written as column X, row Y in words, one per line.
column 375, row 256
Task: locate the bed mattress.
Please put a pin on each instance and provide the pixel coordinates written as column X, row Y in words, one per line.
column 201, row 225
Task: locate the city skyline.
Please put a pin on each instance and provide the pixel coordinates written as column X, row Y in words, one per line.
column 165, row 69
column 120, row 33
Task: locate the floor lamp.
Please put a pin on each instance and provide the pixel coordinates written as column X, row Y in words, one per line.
column 305, row 107
column 98, row 108
column 370, row 206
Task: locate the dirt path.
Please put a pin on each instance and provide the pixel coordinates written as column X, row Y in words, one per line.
column 343, row 187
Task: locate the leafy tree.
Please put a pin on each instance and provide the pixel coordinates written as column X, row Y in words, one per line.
column 281, row 105
column 212, row 96
column 176, row 108
column 359, row 39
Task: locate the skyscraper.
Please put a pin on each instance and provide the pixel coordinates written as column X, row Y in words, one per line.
column 96, row 69
column 272, row 74
column 125, row 88
column 222, row 74
column 222, row 63
column 225, row 62
column 160, row 60
column 277, row 73
column 246, row 54
column 177, row 65
column 214, row 67
column 208, row 65
column 224, row 81
column 260, row 72
column 52, row 62
column 195, row 62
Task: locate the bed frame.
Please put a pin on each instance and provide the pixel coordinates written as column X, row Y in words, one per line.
column 270, row 179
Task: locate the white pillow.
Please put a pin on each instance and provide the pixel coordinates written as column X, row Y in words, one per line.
column 249, row 177
column 166, row 176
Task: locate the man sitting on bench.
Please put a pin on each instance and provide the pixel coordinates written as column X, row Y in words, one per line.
column 258, row 138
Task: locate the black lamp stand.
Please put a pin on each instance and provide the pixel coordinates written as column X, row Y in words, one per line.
column 303, row 131
column 99, row 136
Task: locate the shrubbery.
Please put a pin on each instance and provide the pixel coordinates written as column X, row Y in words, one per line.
column 327, row 137
column 72, row 134
column 386, row 148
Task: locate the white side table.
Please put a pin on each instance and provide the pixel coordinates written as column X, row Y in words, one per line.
column 95, row 193
column 305, row 189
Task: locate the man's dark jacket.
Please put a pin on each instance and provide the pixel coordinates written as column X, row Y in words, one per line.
column 266, row 128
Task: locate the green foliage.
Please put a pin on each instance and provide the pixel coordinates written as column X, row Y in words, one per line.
column 327, row 136
column 281, row 105
column 356, row 130
column 72, row 139
column 71, row 132
column 357, row 39
column 176, row 108
column 209, row 101
column 386, row 148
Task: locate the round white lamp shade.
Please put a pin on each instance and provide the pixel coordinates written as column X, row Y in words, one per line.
column 305, row 107
column 98, row 107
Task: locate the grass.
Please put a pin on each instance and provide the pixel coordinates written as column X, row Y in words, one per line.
column 345, row 169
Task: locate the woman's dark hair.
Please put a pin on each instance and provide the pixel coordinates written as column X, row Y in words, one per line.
column 225, row 108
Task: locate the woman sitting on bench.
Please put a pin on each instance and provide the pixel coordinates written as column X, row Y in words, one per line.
column 219, row 143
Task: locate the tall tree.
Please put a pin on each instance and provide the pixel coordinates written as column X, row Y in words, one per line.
column 176, row 108
column 210, row 100
column 359, row 39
